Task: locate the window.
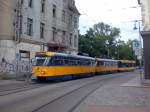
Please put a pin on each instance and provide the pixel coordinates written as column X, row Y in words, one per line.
column 40, row 61
column 54, row 11
column 24, row 55
column 43, row 6
column 42, row 27
column 54, row 33
column 63, row 15
column 73, row 2
column 21, row 23
column 70, row 20
column 75, row 41
column 30, row 27
column 22, row 1
column 30, row 3
column 70, row 40
column 75, row 22
column 63, row 36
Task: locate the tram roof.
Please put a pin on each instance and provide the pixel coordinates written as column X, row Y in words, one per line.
column 127, row 61
column 100, row 59
column 62, row 54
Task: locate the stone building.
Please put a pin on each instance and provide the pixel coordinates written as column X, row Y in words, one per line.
column 145, row 6
column 29, row 26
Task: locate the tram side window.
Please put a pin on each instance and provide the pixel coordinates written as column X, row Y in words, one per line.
column 100, row 63
column 86, row 62
column 89, row 63
column 120, row 64
column 106, row 63
column 49, row 61
column 66, row 62
column 76, row 62
column 79, row 62
column 115, row 64
column 93, row 63
column 57, row 60
column 71, row 62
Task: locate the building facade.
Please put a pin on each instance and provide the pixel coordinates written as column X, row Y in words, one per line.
column 145, row 9
column 145, row 6
column 29, row 26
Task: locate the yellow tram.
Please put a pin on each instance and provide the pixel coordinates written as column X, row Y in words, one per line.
column 60, row 66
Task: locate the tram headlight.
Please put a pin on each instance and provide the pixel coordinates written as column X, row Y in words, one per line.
column 32, row 72
column 42, row 72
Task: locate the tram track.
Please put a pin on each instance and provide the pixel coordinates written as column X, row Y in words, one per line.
column 19, row 88
column 79, row 94
column 58, row 97
column 16, row 88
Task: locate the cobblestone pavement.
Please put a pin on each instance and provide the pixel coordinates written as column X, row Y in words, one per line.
column 124, row 94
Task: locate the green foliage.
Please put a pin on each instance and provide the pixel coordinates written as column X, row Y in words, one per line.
column 125, row 50
column 102, row 41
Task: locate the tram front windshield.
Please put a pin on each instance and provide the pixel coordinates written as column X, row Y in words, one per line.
column 40, row 61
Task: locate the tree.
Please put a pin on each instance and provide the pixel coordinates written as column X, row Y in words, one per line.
column 94, row 41
column 125, row 51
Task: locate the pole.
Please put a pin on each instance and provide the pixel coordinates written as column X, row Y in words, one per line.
column 108, row 52
column 140, row 58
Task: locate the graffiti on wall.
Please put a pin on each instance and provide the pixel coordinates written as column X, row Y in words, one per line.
column 15, row 66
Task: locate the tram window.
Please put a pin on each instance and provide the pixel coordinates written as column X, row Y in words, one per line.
column 100, row 63
column 119, row 64
column 88, row 63
column 92, row 63
column 80, row 62
column 83, row 62
column 115, row 64
column 49, row 61
column 105, row 63
column 65, row 62
column 75, row 62
column 40, row 61
column 71, row 62
column 110, row 63
column 56, row 62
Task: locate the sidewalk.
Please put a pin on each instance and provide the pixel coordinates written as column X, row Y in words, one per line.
column 120, row 95
column 136, row 82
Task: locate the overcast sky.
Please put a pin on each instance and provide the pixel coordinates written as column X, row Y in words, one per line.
column 118, row 13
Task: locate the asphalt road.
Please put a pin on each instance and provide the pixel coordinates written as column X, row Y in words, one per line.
column 53, row 97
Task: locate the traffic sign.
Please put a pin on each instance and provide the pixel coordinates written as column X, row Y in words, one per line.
column 136, row 44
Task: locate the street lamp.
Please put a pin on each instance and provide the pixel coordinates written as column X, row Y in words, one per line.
column 107, row 45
